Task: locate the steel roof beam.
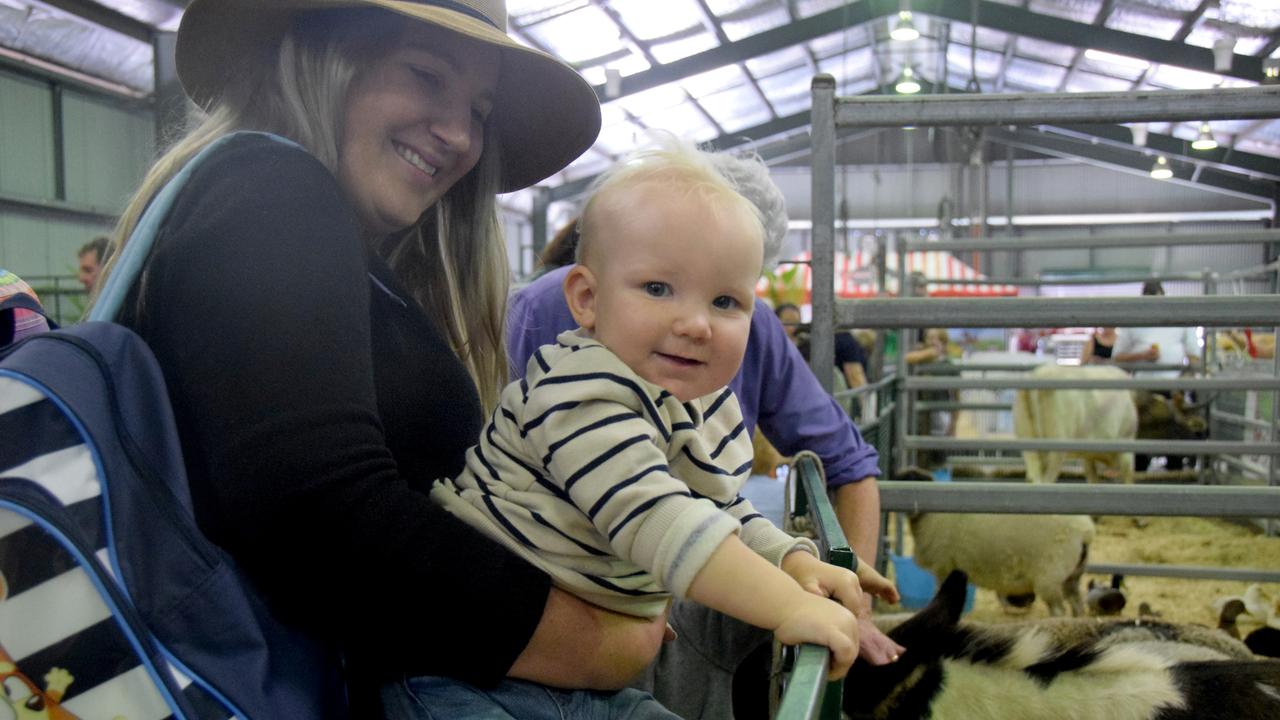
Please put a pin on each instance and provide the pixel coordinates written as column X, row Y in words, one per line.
column 1046, row 143
column 992, row 15
column 106, row 17
column 754, row 134
column 1222, row 158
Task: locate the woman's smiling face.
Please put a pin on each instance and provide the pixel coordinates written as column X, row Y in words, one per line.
column 414, row 125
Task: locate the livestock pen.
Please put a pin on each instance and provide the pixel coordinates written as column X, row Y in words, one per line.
column 890, row 429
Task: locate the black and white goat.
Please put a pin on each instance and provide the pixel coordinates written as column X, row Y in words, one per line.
column 1130, row 670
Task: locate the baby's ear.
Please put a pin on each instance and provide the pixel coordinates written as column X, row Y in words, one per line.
column 580, row 294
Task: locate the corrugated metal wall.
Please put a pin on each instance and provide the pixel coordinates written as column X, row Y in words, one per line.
column 105, row 148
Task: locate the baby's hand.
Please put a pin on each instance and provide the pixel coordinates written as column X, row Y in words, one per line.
column 876, row 584
column 818, row 620
column 825, row 579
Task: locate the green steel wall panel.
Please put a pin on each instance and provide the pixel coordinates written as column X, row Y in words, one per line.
column 36, row 244
column 107, row 150
column 26, row 138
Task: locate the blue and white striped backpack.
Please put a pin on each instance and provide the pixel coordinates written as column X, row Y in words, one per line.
column 113, row 605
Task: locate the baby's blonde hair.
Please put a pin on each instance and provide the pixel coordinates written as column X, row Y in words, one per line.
column 673, row 166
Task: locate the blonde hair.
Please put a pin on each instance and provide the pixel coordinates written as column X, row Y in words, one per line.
column 674, row 165
column 453, row 259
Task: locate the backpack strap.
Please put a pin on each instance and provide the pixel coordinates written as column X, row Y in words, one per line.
column 134, row 253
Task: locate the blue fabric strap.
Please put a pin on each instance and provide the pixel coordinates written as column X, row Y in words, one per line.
column 134, row 253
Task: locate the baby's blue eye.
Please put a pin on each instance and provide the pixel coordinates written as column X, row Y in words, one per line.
column 657, row 289
column 724, row 302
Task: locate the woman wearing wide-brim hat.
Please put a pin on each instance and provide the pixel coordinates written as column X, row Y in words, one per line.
column 328, row 318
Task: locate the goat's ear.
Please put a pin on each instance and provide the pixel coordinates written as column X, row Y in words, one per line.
column 951, row 595
column 580, row 294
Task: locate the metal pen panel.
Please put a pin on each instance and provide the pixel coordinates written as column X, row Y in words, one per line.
column 1146, row 311
column 1004, row 498
column 1262, row 101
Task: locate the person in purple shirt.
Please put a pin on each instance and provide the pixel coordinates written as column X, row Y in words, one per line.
column 776, row 391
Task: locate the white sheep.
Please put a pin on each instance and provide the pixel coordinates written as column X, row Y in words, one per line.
column 1010, row 554
column 1076, row 414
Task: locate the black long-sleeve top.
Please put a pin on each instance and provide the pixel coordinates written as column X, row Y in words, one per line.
column 315, row 404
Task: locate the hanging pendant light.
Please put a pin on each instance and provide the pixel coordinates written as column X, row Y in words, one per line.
column 1204, row 141
column 904, row 30
column 907, row 83
column 1161, row 170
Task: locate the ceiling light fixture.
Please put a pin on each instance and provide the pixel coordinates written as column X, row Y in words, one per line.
column 1161, row 170
column 1204, row 141
column 1271, row 71
column 907, row 83
column 904, row 30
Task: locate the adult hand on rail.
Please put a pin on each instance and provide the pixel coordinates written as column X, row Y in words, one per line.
column 584, row 646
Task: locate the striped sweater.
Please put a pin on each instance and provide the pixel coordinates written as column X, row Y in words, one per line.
column 607, row 482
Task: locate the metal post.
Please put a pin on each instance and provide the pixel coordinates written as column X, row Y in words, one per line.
column 901, row 457
column 538, row 220
column 1273, row 478
column 822, row 249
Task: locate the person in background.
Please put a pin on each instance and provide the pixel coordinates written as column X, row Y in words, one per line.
column 775, row 390
column 560, row 250
column 1099, row 347
column 91, row 257
column 1162, row 345
column 850, row 358
column 616, row 463
column 938, row 423
column 326, row 305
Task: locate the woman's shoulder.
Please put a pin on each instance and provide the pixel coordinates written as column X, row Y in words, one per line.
column 261, row 161
column 259, row 179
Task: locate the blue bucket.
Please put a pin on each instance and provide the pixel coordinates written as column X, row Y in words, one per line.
column 917, row 585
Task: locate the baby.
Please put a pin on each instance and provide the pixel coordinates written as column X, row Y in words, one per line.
column 615, row 465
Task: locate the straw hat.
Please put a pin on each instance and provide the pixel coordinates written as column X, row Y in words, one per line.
column 545, row 115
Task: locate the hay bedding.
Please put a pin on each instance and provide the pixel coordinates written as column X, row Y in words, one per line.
column 1164, row 541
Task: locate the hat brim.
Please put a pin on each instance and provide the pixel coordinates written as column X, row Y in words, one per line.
column 545, row 114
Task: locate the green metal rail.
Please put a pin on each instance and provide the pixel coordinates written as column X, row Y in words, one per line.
column 808, row 696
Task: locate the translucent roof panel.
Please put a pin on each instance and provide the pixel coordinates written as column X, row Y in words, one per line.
column 1105, row 63
column 1083, row 11
column 722, row 78
column 1145, row 21
column 667, row 52
column 1249, row 13
column 684, row 119
column 618, row 137
column 839, row 42
column 1172, row 77
column 987, row 62
column 647, row 25
column 739, row 25
column 1043, row 50
column 774, row 62
column 785, row 83
column 1032, row 75
column 987, row 39
column 577, row 36
column 1092, row 82
column 663, row 96
column 805, row 8
column 736, row 109
column 628, row 64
